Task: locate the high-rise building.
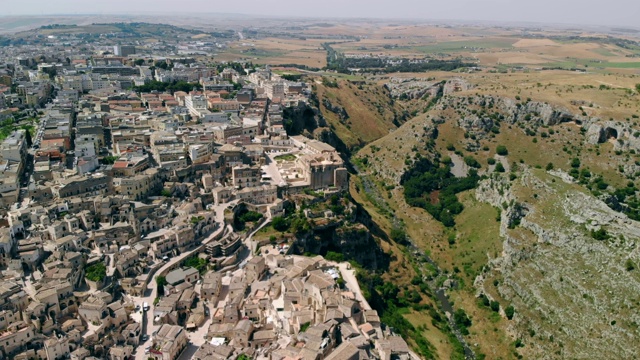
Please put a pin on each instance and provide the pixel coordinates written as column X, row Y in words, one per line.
column 124, row 50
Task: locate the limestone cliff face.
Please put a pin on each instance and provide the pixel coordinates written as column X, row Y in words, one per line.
column 303, row 118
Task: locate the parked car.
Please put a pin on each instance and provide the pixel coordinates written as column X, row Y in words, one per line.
column 144, row 337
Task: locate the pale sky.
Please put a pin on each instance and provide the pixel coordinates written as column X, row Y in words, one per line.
column 586, row 12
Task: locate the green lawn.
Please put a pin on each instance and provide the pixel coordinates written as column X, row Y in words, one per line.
column 285, row 157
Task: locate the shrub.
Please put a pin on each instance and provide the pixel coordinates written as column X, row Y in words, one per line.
column 398, row 235
column 575, row 163
column 500, row 167
column 334, row 256
column 600, row 234
column 518, row 343
column 509, row 311
column 461, row 318
column 495, row 306
column 502, row 150
column 629, row 265
column 549, row 166
column 472, row 162
column 491, row 161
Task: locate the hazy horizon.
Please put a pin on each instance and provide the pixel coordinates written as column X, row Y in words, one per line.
column 618, row 12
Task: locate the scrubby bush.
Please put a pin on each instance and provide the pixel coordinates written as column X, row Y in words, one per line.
column 509, row 311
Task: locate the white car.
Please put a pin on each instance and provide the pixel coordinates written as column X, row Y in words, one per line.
column 146, row 350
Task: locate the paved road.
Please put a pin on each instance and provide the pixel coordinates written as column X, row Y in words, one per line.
column 152, row 292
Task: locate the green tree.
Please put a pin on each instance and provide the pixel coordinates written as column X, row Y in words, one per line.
column 495, row 306
column 549, row 166
column 472, row 162
column 300, row 225
column 502, row 150
column 161, row 281
column 575, row 163
column 334, row 256
column 509, row 311
column 197, row 263
column 398, row 235
column 500, row 167
column 96, row 272
column 462, row 321
column 279, row 223
column 250, row 216
column 108, row 160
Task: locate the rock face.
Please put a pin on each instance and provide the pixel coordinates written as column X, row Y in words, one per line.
column 354, row 241
column 621, row 135
column 512, row 110
column 418, row 88
column 304, row 117
column 412, row 88
column 564, row 284
column 534, row 114
column 336, row 109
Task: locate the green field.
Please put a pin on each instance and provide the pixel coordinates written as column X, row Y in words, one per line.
column 467, row 45
column 622, row 65
column 603, row 52
column 580, row 63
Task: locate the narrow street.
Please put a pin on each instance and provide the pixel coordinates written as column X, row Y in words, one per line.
column 148, row 328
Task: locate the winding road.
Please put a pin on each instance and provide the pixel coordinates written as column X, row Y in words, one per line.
column 148, row 328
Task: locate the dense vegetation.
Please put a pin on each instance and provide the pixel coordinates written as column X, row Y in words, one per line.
column 431, row 186
column 96, row 272
column 392, row 303
column 196, row 263
column 244, row 216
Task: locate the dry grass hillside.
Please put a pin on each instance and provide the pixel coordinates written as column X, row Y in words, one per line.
column 357, row 113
